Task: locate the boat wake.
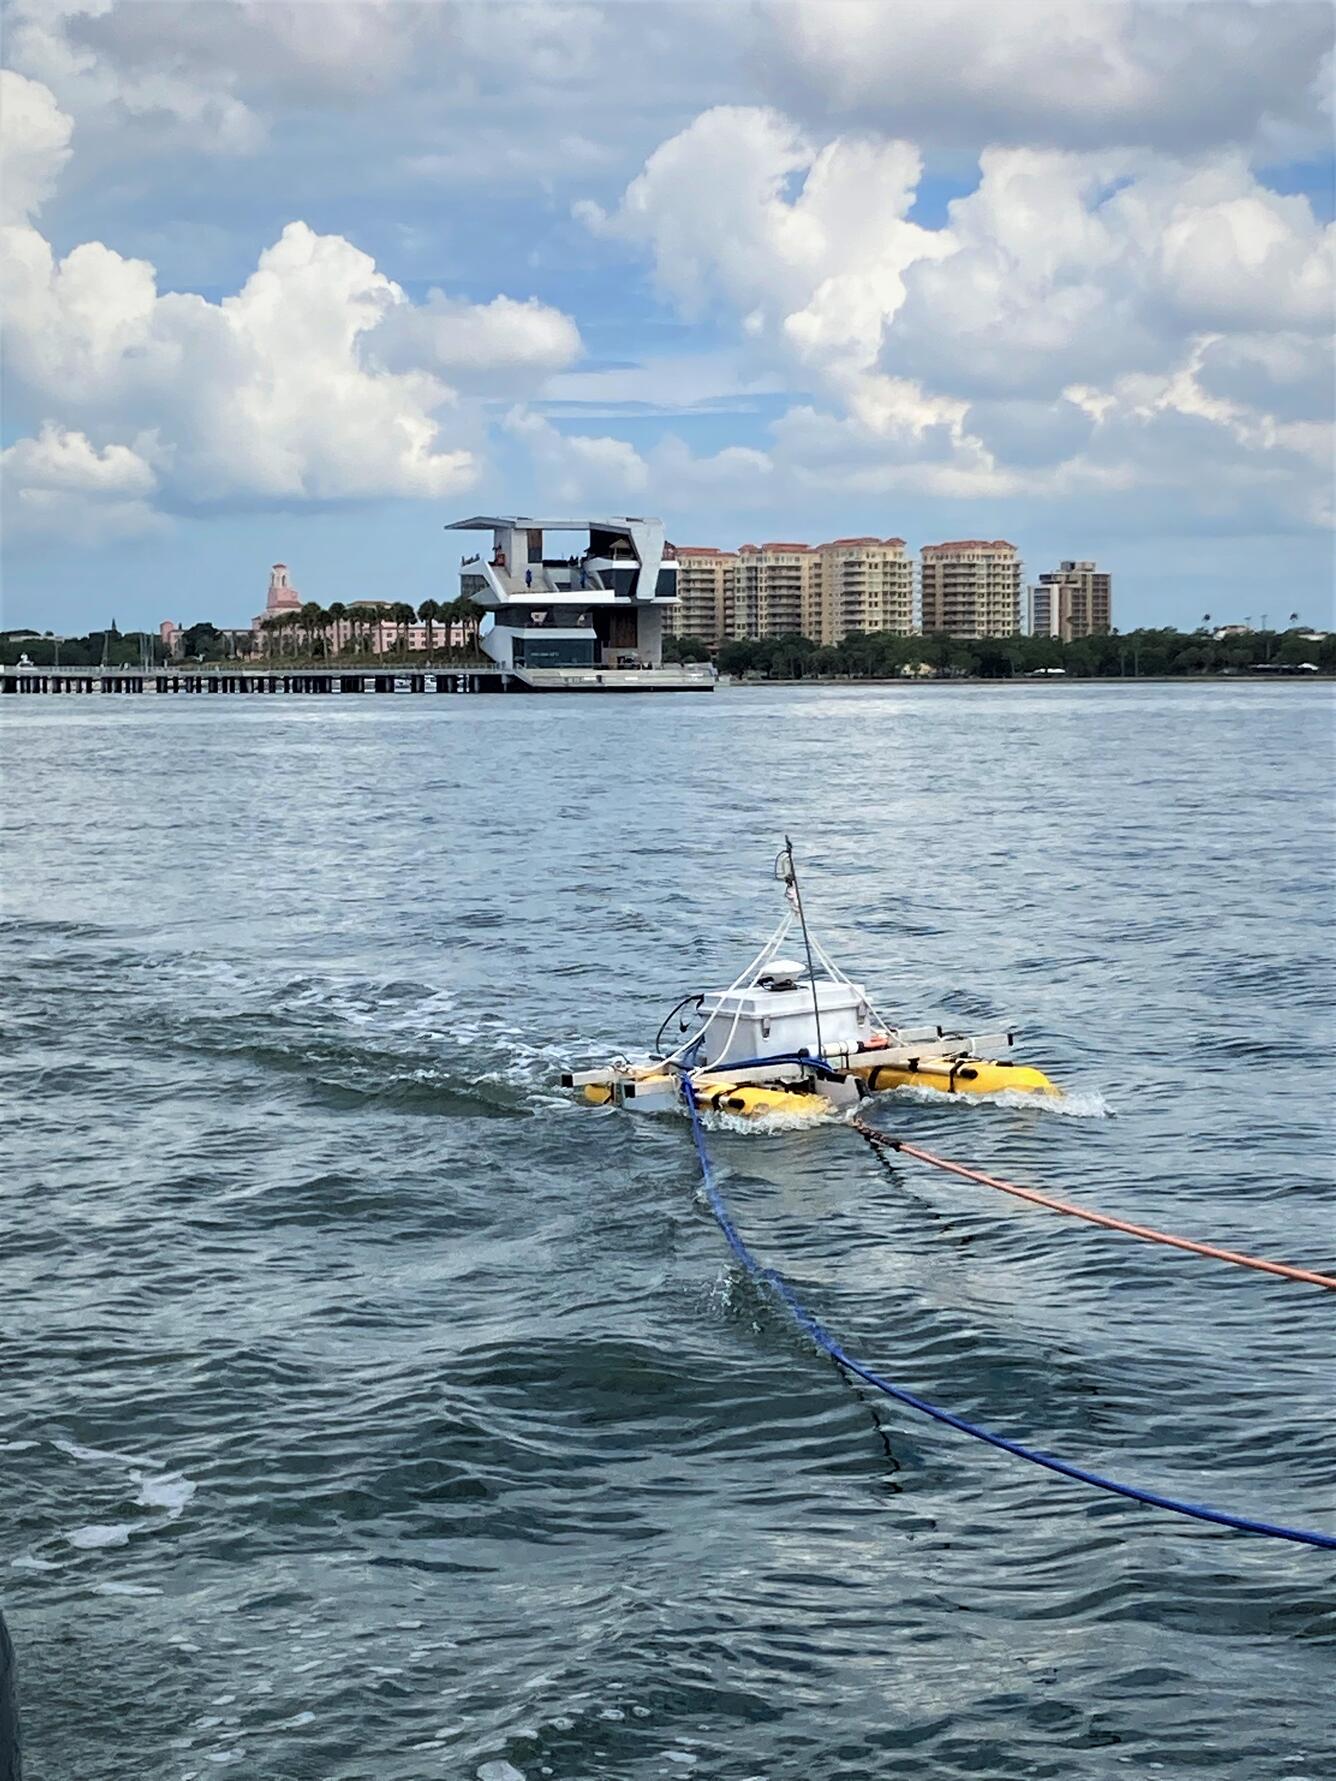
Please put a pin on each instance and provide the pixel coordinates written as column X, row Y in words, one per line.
column 1083, row 1104
column 762, row 1125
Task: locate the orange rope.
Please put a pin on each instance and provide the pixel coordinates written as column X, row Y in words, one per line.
column 1100, row 1218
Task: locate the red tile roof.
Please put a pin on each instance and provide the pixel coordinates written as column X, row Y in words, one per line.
column 845, row 542
column 969, row 544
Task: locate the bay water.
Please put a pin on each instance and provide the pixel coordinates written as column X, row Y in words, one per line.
column 375, row 1411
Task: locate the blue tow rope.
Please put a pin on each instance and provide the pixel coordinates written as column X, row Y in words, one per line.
column 829, row 1346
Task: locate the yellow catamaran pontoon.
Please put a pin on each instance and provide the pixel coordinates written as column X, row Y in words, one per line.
column 804, row 1038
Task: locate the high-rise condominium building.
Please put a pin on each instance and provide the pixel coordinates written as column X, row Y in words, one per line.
column 704, row 578
column 774, row 590
column 1075, row 600
column 867, row 584
column 825, row 592
column 971, row 588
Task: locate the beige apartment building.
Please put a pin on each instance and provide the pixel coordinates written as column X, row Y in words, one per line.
column 704, row 582
column 774, row 591
column 971, row 587
column 867, row 584
column 1075, row 600
column 826, row 592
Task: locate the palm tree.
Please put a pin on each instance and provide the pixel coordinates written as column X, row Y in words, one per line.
column 336, row 613
column 450, row 617
column 429, row 611
column 462, row 611
column 403, row 615
column 363, row 617
column 310, row 618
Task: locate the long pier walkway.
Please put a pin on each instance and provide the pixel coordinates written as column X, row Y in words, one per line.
column 264, row 682
column 467, row 677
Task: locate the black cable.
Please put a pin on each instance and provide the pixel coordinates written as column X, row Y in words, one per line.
column 696, row 996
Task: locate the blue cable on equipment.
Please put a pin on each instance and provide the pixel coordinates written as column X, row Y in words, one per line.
column 828, row 1345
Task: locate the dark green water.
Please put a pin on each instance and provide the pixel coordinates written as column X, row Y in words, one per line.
column 372, row 1412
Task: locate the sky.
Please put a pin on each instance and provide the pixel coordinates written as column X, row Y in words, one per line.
column 304, row 280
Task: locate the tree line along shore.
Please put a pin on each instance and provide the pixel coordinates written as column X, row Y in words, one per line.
column 1151, row 653
column 306, row 636
column 351, row 633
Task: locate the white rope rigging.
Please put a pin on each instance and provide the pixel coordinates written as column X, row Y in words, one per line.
column 743, row 980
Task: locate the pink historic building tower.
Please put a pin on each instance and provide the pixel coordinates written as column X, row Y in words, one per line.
column 283, row 597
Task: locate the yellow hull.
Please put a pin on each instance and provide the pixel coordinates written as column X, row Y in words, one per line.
column 961, row 1076
column 743, row 1098
column 747, row 1099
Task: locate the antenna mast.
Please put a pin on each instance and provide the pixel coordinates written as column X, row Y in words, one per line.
column 787, row 872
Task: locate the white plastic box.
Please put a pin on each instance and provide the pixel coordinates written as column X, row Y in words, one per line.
column 779, row 1022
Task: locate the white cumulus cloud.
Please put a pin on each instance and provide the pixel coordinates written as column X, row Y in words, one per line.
column 480, row 344
column 1175, row 75
column 574, row 466
column 999, row 352
column 55, row 42
column 60, row 481
column 318, row 380
column 34, row 145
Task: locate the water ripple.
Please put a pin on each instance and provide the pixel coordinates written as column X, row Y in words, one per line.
column 373, row 1409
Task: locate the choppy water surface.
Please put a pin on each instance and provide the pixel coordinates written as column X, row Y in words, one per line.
column 372, row 1412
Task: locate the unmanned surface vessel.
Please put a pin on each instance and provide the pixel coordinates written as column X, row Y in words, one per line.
column 800, row 1037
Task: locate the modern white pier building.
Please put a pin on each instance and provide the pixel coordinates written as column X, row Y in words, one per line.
column 575, row 601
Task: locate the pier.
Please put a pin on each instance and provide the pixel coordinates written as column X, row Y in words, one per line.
column 262, row 683
column 268, row 683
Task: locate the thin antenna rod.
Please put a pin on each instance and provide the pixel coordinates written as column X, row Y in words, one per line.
column 807, row 942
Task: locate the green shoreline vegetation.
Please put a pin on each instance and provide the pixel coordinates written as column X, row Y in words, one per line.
column 303, row 639
column 1144, row 654
column 292, row 639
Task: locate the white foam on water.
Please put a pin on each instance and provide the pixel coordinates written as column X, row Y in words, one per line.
column 89, row 1539
column 764, row 1125
column 99, row 1454
column 298, row 1719
column 124, row 1589
column 16, row 1446
column 499, row 1771
column 1080, row 1104
column 30, row 1563
column 1088, row 1104
column 164, row 1490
